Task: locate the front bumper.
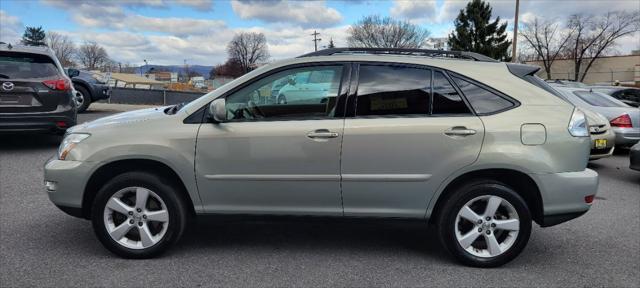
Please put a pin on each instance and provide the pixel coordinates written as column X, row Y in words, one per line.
column 564, row 194
column 627, row 136
column 100, row 91
column 66, row 182
column 597, row 153
column 38, row 121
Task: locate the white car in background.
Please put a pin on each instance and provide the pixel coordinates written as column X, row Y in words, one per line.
column 318, row 83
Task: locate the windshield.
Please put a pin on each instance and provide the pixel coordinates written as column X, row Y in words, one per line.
column 599, row 99
column 24, row 65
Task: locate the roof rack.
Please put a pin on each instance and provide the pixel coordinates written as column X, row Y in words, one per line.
column 403, row 51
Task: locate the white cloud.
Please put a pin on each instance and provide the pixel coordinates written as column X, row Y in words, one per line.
column 206, row 5
column 110, row 15
column 418, row 11
column 10, row 28
column 196, row 4
column 307, row 14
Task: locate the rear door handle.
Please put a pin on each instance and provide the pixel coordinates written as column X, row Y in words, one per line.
column 322, row 134
column 459, row 131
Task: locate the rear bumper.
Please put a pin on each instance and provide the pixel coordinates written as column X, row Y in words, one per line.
column 54, row 121
column 563, row 194
column 627, row 136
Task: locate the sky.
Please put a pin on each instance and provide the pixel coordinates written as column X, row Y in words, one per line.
column 168, row 32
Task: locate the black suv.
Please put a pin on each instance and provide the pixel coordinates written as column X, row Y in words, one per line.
column 89, row 89
column 35, row 92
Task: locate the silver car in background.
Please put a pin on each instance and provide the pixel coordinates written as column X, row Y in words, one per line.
column 624, row 119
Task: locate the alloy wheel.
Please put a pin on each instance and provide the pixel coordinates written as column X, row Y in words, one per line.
column 487, row 226
column 136, row 218
column 79, row 99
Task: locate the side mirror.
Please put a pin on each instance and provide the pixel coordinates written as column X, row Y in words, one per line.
column 73, row 72
column 217, row 110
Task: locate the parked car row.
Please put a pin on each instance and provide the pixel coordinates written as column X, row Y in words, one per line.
column 628, row 95
column 479, row 148
column 612, row 122
column 37, row 94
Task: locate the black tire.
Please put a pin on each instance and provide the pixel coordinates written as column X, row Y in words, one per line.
column 163, row 188
column 86, row 98
column 282, row 99
column 446, row 222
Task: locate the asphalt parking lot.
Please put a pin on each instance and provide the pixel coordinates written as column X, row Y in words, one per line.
column 42, row 246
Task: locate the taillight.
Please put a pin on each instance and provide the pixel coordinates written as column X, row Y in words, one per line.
column 623, row 121
column 58, row 84
column 578, row 124
column 589, row 199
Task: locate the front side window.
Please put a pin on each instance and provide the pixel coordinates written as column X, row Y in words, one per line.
column 446, row 100
column 393, row 90
column 482, row 100
column 307, row 92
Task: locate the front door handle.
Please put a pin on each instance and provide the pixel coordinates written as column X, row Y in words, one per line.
column 459, row 131
column 322, row 134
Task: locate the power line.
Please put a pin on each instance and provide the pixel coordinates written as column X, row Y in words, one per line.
column 315, row 39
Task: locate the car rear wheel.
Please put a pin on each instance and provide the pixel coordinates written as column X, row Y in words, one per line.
column 138, row 215
column 484, row 224
column 83, row 98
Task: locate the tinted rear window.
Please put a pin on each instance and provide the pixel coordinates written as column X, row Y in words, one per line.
column 446, row 99
column 598, row 99
column 25, row 65
column 482, row 100
column 393, row 90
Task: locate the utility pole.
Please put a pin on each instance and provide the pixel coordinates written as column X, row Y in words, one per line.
column 186, row 71
column 515, row 33
column 315, row 39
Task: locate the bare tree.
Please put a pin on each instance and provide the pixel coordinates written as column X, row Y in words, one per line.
column 63, row 46
column 376, row 32
column 248, row 48
column 92, row 56
column 594, row 36
column 547, row 40
column 231, row 68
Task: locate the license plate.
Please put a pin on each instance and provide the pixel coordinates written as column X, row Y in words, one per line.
column 601, row 143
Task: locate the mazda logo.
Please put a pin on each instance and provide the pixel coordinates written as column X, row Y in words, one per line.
column 7, row 86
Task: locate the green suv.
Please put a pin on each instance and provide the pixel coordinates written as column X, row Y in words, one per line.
column 477, row 147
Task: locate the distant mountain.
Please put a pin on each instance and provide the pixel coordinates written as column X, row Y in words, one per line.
column 200, row 69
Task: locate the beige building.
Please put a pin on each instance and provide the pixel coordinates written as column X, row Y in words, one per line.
column 605, row 70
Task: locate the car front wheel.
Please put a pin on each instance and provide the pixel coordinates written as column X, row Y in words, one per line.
column 83, row 99
column 138, row 215
column 485, row 224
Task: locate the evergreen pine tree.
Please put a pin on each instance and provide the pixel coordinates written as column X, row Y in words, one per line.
column 33, row 36
column 475, row 32
column 331, row 45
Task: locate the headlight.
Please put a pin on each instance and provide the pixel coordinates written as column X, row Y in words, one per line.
column 578, row 124
column 69, row 142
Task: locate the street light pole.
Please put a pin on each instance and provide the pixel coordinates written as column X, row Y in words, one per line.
column 515, row 33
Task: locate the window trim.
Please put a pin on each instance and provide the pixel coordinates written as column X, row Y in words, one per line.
column 342, row 93
column 353, row 95
column 515, row 103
